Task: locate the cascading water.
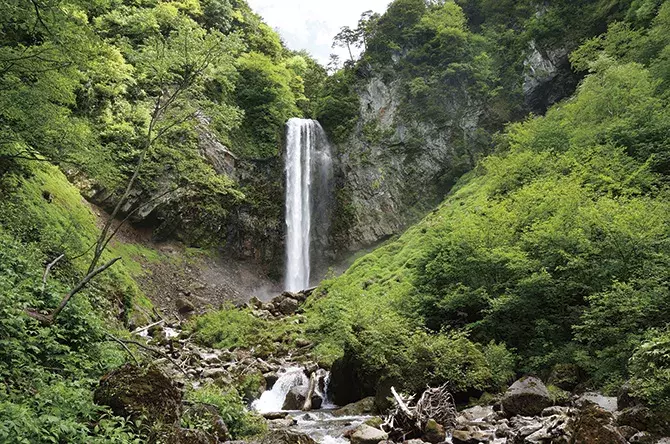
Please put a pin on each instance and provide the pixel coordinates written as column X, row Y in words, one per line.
column 309, row 174
column 273, row 400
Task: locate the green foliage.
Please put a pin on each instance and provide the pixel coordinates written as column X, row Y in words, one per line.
column 650, row 368
column 268, row 96
column 232, row 328
column 556, row 247
column 241, row 423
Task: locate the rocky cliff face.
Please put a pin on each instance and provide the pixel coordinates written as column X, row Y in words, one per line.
column 394, row 168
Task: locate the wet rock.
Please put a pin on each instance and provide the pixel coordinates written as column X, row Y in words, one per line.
column 134, row 391
column 470, row 437
column 275, row 415
column 434, row 433
column 288, row 306
column 362, row 407
column 364, row 434
column 295, row 399
column 528, row 397
column 270, row 379
column 411, row 441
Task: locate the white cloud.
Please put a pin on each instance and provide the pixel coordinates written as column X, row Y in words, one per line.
column 312, row 24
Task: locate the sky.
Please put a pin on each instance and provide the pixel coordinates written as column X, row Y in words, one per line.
column 312, row 24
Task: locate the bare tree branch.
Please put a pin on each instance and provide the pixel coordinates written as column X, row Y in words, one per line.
column 50, row 318
column 124, row 346
column 48, row 269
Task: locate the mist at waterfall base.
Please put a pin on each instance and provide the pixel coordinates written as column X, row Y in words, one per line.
column 309, row 190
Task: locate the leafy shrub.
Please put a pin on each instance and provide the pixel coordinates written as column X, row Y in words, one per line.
column 650, row 368
column 241, row 423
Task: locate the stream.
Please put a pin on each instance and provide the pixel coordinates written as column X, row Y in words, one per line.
column 322, row 425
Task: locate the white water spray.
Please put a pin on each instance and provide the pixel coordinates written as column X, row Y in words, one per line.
column 309, row 173
column 273, row 400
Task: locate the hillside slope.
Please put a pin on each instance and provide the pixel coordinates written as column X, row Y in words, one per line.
column 555, row 246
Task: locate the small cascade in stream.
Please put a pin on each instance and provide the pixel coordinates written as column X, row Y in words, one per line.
column 273, row 400
column 309, row 182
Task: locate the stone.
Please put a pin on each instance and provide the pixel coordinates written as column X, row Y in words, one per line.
column 607, row 403
column 434, row 433
column 283, row 436
column 214, row 372
column 275, row 415
column 555, row 410
column 643, row 438
column 288, row 306
column 593, row 424
column 627, row 432
column 476, row 413
column 528, row 397
column 295, row 399
column 646, row 420
column 270, row 379
column 470, row 437
column 138, row 392
column 364, row 434
column 362, row 407
column 184, row 307
column 413, row 441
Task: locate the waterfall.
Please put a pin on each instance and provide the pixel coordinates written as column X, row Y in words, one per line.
column 309, row 174
column 273, row 400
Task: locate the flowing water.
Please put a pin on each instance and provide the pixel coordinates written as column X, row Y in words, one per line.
column 321, row 425
column 309, row 178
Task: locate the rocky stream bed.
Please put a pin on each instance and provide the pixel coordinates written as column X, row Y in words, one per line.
column 525, row 414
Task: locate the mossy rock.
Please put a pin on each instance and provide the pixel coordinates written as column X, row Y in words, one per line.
column 140, row 392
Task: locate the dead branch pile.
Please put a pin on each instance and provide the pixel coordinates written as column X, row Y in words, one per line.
column 406, row 421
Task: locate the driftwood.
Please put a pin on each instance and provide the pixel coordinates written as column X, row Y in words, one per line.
column 407, row 421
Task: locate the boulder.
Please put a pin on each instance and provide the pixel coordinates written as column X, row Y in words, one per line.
column 646, row 420
column 134, row 391
column 364, row 434
column 362, row 407
column 527, row 397
column 295, row 398
column 288, row 306
column 184, row 307
column 593, row 424
column 434, row 433
column 607, row 403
